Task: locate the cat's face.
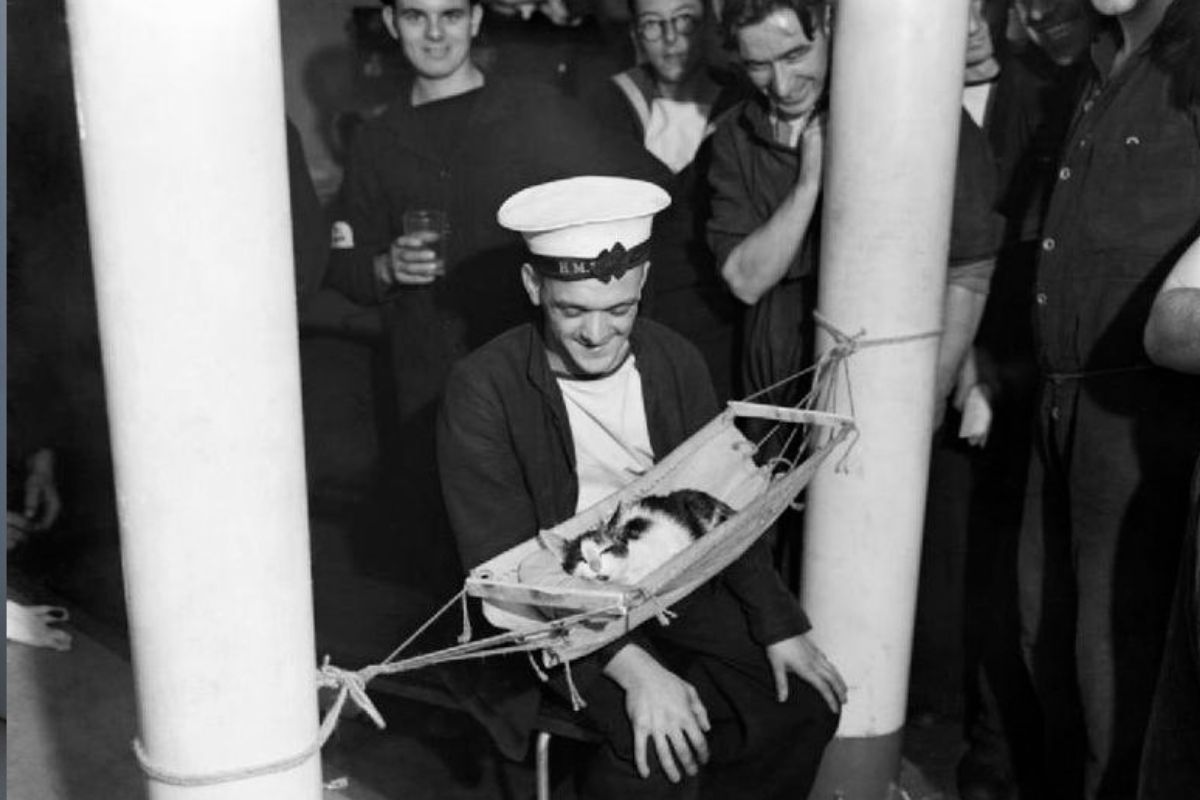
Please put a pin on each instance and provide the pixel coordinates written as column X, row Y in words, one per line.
column 629, row 546
column 598, row 554
column 595, row 556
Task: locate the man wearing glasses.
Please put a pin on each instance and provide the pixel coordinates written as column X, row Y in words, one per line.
column 669, row 103
column 669, row 99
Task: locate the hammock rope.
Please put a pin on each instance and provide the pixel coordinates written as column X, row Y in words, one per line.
column 351, row 685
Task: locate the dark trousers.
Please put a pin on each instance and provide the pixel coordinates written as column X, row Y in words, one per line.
column 1171, row 759
column 758, row 746
column 1105, row 509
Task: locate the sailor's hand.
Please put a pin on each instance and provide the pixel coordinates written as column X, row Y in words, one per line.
column 800, row 656
column 812, row 148
column 662, row 708
column 409, row 261
column 18, row 529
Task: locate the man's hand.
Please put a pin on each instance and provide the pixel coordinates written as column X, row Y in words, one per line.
column 663, row 707
column 18, row 529
column 42, row 501
column 409, row 262
column 799, row 655
column 812, row 149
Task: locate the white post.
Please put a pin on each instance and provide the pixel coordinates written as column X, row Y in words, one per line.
column 896, row 84
column 182, row 129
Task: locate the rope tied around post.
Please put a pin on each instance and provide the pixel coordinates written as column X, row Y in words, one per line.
column 350, row 685
column 850, row 343
column 838, row 358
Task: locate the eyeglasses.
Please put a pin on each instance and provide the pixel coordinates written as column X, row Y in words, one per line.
column 654, row 28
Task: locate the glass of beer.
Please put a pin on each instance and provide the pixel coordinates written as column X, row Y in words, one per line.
column 433, row 227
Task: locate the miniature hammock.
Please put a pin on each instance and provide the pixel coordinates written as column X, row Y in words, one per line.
column 526, row 593
column 524, row 590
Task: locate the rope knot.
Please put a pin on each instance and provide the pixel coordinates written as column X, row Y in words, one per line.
column 349, row 684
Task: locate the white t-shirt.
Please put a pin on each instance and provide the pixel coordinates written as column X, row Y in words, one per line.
column 674, row 128
column 608, row 426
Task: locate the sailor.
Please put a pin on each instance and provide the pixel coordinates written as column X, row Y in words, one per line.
column 552, row 416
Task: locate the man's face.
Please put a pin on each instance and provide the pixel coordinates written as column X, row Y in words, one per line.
column 587, row 322
column 1061, row 28
column 434, row 34
column 979, row 39
column 670, row 34
column 784, row 63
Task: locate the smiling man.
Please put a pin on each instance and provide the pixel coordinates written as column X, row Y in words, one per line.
column 766, row 182
column 766, row 177
column 732, row 698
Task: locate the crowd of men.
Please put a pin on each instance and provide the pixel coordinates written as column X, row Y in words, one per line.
column 1077, row 191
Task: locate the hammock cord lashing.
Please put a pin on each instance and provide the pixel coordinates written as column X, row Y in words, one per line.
column 351, row 685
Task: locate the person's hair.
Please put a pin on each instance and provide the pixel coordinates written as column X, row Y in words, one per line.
column 738, row 14
column 1175, row 47
column 633, row 12
column 392, row 3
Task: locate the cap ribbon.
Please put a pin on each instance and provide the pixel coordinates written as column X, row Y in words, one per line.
column 612, row 262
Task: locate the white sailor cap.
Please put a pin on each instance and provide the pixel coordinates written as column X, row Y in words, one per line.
column 587, row 227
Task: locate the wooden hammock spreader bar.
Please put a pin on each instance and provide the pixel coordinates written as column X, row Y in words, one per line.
column 552, row 597
column 743, row 408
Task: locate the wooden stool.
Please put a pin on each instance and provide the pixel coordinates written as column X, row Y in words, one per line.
column 557, row 719
column 554, row 718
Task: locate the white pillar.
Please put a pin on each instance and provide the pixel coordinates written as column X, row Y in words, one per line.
column 182, row 129
column 896, row 84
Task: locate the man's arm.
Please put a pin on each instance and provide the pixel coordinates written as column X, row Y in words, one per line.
column 1172, row 336
column 974, row 237
column 663, row 709
column 755, row 265
column 369, row 259
column 966, row 296
column 780, row 626
column 486, row 499
column 361, row 229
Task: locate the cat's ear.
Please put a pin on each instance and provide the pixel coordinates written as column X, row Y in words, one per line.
column 614, row 519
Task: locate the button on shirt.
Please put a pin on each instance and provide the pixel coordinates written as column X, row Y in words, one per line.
column 1127, row 197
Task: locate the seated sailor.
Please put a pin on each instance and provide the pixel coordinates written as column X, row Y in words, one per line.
column 548, row 418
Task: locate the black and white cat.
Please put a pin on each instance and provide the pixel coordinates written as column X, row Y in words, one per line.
column 639, row 538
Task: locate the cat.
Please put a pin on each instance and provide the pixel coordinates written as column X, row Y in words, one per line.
column 639, row 538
